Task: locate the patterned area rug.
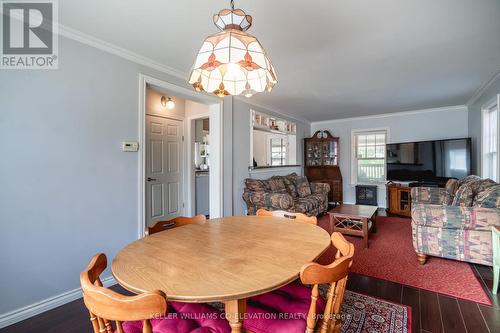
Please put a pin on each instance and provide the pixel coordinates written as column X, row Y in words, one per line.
column 391, row 256
column 368, row 314
column 365, row 314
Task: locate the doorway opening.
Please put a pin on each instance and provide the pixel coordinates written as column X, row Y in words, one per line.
column 200, row 142
column 180, row 153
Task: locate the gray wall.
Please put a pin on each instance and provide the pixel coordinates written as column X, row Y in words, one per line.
column 417, row 126
column 241, row 150
column 475, row 122
column 67, row 191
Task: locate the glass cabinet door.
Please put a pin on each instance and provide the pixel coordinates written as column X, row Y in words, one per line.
column 330, row 153
column 313, row 153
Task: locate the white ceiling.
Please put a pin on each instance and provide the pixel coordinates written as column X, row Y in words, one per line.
column 334, row 59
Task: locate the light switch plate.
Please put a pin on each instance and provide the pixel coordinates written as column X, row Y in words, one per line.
column 130, row 146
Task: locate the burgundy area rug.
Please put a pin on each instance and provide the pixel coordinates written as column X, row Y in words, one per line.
column 368, row 314
column 391, row 256
column 365, row 314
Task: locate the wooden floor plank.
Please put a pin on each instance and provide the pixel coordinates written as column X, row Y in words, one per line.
column 495, row 298
column 485, row 271
column 411, row 297
column 362, row 284
column 429, row 312
column 451, row 315
column 388, row 290
column 491, row 317
column 472, row 316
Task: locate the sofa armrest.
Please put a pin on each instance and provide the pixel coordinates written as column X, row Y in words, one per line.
column 428, row 195
column 320, row 188
column 455, row 217
column 261, row 199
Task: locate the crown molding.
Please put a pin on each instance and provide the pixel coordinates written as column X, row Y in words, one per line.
column 485, row 86
column 384, row 115
column 100, row 44
column 12, row 317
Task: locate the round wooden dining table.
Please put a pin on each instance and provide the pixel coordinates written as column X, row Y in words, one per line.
column 226, row 259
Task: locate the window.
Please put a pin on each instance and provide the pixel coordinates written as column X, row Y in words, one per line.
column 490, row 141
column 278, row 151
column 369, row 157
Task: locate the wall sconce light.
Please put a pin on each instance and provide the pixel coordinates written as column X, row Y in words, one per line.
column 167, row 102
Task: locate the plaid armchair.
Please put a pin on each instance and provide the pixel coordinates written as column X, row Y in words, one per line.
column 455, row 222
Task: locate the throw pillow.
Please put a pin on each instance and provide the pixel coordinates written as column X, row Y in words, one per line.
column 445, row 198
column 276, row 184
column 464, row 196
column 481, row 185
column 302, row 186
column 290, row 186
column 489, row 198
column 256, row 184
column 451, row 186
column 468, row 179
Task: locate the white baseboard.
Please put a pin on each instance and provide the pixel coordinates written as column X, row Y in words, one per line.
column 12, row 317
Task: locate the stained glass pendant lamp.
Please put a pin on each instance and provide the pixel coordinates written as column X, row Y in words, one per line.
column 232, row 62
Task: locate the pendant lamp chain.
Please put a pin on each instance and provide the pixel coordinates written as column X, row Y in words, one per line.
column 232, row 4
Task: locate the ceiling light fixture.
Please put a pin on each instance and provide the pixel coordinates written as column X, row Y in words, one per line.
column 167, row 102
column 232, row 62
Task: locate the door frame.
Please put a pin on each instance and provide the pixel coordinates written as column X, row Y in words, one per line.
column 216, row 164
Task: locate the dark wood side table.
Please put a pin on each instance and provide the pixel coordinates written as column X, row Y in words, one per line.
column 354, row 220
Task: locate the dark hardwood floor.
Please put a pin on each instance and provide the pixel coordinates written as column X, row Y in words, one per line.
column 431, row 312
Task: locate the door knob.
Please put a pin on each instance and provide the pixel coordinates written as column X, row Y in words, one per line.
column 149, row 179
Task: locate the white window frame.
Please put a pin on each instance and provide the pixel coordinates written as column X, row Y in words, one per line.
column 270, row 152
column 354, row 160
column 485, row 170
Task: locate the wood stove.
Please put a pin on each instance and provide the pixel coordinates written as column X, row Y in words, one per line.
column 366, row 195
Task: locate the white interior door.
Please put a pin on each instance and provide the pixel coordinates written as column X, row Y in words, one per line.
column 164, row 181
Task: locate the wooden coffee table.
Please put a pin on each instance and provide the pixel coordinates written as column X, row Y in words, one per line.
column 354, row 220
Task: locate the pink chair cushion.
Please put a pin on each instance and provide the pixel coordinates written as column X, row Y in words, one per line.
column 281, row 311
column 185, row 318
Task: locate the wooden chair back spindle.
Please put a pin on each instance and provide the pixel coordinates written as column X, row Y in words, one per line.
column 289, row 215
column 105, row 305
column 335, row 275
column 174, row 223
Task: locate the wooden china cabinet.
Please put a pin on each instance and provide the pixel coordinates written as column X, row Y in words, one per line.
column 321, row 159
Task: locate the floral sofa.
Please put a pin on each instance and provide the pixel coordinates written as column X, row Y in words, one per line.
column 455, row 222
column 291, row 193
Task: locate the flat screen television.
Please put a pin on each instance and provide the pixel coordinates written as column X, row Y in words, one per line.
column 429, row 161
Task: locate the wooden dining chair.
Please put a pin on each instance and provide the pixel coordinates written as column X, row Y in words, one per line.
column 173, row 223
column 303, row 304
column 293, row 216
column 335, row 275
column 143, row 313
column 106, row 306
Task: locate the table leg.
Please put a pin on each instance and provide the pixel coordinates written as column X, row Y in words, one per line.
column 235, row 310
column 374, row 222
column 365, row 232
column 331, row 223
